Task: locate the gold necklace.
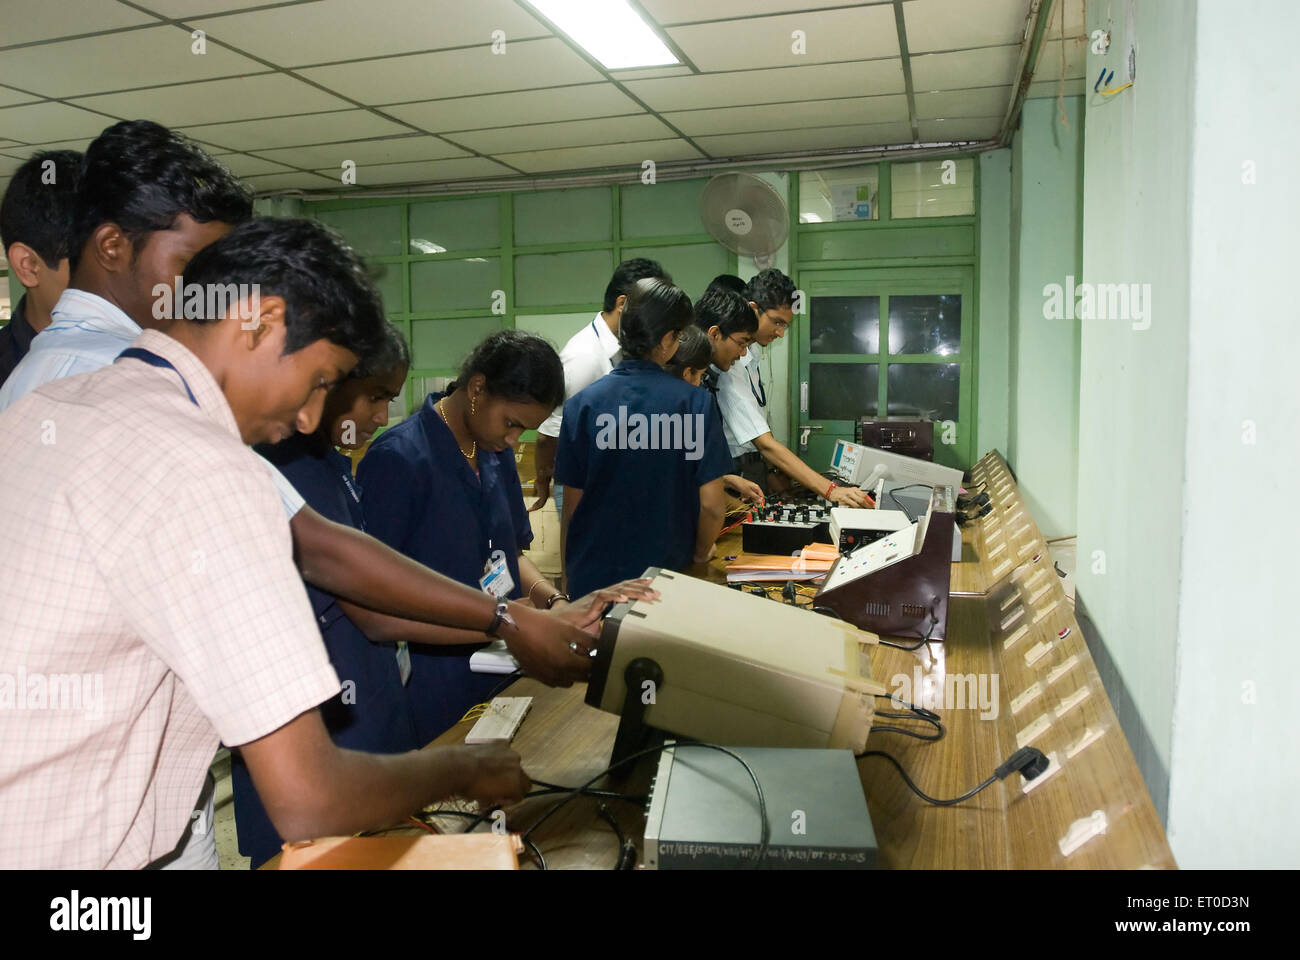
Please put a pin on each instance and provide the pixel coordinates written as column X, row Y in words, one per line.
column 473, row 444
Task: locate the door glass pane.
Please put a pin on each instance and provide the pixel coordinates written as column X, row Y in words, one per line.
column 444, row 344
column 844, row 325
column 438, row 285
column 564, row 216
column 843, row 391
column 925, row 324
column 442, row 225
column 388, row 281
column 932, row 188
column 846, row 193
column 371, row 231
column 924, row 389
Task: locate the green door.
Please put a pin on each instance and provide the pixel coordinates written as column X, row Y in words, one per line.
column 888, row 342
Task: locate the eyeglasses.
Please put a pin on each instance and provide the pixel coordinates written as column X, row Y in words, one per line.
column 743, row 344
column 776, row 321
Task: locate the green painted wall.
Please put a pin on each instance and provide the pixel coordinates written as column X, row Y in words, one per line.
column 994, row 328
column 1133, row 382
column 1233, row 760
column 1043, row 363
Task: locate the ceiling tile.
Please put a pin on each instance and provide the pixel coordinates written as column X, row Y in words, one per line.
column 1049, row 60
column 1074, row 25
column 527, row 64
column 294, row 131
column 814, row 113
column 467, row 168
column 956, row 24
column 215, row 101
column 819, row 138
column 782, row 85
column 1050, row 88
column 191, row 8
column 388, row 150
column 978, row 102
column 571, row 133
column 330, row 30
column 9, row 164
column 80, row 145
column 980, row 128
column 10, row 96
column 511, row 109
column 139, row 58
column 47, row 122
column 245, row 166
column 690, row 11
column 288, row 181
column 610, row 155
column 969, row 68
column 29, row 20
column 858, row 33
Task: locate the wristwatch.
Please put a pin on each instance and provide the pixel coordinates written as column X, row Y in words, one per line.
column 502, row 617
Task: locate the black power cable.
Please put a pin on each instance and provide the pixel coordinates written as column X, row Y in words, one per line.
column 1028, row 761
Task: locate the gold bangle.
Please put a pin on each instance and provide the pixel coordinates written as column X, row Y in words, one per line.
column 539, row 580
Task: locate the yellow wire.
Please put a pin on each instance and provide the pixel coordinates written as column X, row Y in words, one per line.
column 480, row 707
column 1110, row 93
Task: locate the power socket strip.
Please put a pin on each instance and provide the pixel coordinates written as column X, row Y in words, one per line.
column 501, row 721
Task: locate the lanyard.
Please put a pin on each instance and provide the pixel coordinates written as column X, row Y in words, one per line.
column 761, row 393
column 151, row 358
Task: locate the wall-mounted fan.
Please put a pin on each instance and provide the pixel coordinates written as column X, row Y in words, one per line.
column 746, row 215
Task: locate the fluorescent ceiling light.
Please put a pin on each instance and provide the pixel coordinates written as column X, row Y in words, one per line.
column 609, row 30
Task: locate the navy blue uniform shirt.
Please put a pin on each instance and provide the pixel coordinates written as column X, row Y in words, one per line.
column 424, row 499
column 639, row 443
column 15, row 339
column 373, row 712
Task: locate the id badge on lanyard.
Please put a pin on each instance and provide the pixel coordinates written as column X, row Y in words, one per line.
column 496, row 579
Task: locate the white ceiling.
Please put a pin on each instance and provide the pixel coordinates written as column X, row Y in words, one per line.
column 412, row 92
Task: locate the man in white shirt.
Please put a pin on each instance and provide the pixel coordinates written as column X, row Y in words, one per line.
column 157, row 583
column 587, row 357
column 742, row 394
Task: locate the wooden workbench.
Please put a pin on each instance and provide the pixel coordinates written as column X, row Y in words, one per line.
column 1009, row 619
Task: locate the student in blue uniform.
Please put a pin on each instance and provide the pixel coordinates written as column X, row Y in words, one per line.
column 372, row 712
column 640, row 455
column 442, row 487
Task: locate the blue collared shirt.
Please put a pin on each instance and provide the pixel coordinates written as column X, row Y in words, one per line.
column 639, row 443
column 87, row 333
column 424, row 499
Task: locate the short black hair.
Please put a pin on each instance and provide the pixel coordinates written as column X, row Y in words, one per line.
column 626, row 275
column 37, row 206
column 391, row 353
column 654, row 308
column 517, row 366
column 693, row 353
column 328, row 295
column 727, row 281
column 771, row 290
column 727, row 310
column 142, row 176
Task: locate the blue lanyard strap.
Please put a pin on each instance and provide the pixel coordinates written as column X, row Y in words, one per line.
column 151, row 358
